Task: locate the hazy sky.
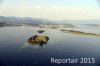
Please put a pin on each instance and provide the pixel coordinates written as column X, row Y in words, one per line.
column 52, row 9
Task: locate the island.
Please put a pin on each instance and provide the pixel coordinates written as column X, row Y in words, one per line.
column 38, row 40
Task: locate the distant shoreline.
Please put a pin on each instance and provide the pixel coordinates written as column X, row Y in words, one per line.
column 80, row 33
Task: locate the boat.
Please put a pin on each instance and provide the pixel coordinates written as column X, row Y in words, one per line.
column 40, row 31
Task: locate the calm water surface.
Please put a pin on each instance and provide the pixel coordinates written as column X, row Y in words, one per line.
column 14, row 51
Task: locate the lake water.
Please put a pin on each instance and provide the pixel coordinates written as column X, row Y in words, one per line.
column 15, row 51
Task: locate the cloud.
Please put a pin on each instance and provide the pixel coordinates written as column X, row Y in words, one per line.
column 50, row 12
